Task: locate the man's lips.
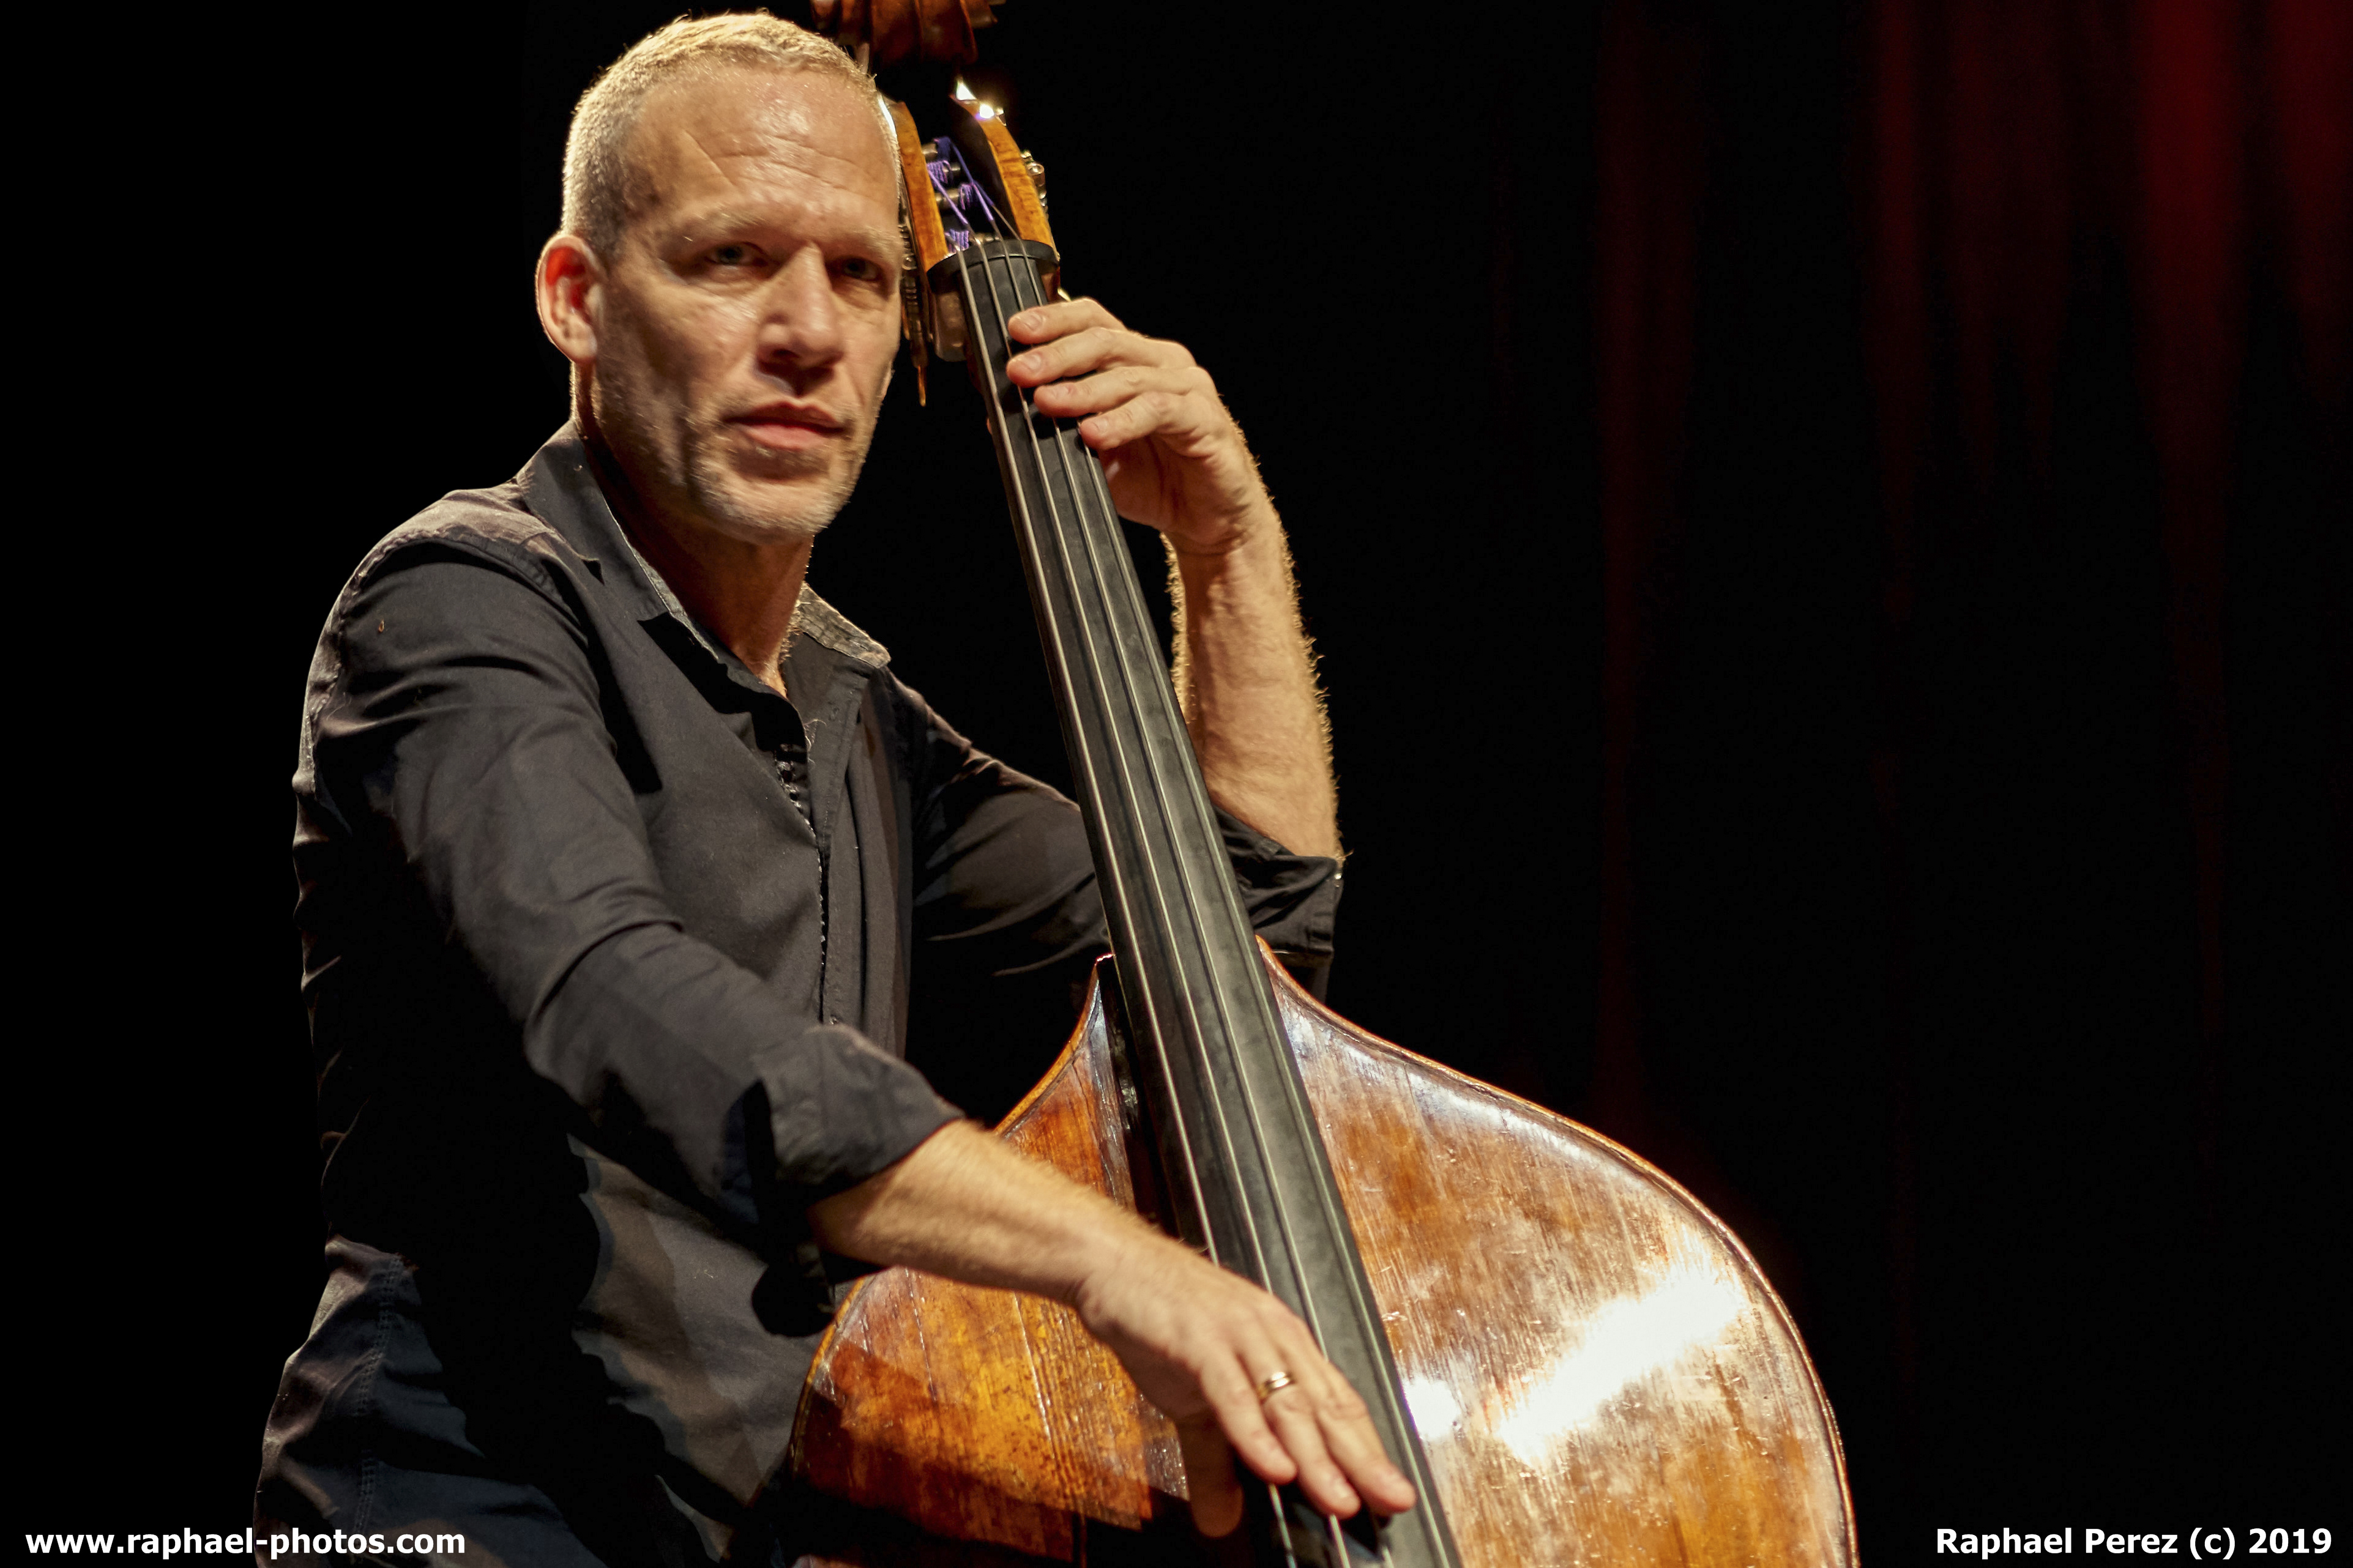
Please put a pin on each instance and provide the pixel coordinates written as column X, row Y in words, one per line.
column 788, row 426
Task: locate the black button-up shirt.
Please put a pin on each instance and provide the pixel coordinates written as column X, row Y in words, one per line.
column 611, row 954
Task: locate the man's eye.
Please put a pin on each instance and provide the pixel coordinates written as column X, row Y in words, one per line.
column 862, row 269
column 732, row 255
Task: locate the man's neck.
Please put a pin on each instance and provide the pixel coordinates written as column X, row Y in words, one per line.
column 745, row 593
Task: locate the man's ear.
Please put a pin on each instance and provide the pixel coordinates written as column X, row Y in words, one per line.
column 568, row 285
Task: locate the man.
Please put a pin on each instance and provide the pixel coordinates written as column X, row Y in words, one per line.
column 624, row 860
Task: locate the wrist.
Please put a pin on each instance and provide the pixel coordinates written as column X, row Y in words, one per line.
column 1255, row 559
column 1114, row 1257
column 1246, row 529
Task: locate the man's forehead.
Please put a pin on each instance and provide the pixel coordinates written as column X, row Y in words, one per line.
column 712, row 133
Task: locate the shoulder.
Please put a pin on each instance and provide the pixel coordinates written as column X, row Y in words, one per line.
column 475, row 566
column 493, row 527
column 475, row 575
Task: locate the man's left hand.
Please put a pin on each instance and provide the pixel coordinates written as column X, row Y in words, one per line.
column 1173, row 456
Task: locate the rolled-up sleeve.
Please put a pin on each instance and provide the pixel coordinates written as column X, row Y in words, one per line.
column 1291, row 898
column 459, row 739
column 1005, row 867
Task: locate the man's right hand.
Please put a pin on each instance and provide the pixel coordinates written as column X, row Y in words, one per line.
column 1199, row 1342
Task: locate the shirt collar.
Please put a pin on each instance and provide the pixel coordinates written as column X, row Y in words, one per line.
column 562, row 491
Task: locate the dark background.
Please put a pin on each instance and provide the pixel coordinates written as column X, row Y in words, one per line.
column 1793, row 723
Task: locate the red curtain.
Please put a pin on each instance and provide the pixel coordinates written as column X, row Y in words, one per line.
column 2005, row 159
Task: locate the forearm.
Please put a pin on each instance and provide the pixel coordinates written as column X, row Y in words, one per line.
column 1246, row 679
column 1200, row 1343
column 964, row 1205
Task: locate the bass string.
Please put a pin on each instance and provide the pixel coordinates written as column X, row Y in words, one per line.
column 1093, row 774
column 1076, row 464
column 1021, row 274
column 1118, row 891
column 1079, row 461
column 1095, row 549
column 1196, row 908
column 1201, row 904
column 976, row 344
column 1160, row 876
column 1081, row 468
column 1356, row 1301
column 1337, row 1542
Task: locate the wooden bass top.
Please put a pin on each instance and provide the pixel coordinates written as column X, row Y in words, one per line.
column 1597, row 1370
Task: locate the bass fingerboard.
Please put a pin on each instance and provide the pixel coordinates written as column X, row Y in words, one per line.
column 1246, row 1171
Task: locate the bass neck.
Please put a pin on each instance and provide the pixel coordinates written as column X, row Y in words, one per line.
column 1245, row 1172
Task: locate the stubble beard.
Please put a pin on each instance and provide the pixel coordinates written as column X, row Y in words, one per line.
column 744, row 499
column 700, row 467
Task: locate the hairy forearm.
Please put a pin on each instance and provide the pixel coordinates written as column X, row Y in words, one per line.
column 1246, row 679
column 965, row 1205
column 1200, row 1343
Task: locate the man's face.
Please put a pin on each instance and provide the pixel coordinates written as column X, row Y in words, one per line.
column 747, row 328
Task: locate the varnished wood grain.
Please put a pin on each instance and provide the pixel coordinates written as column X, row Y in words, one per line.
column 924, row 231
column 983, row 1414
column 1597, row 1369
column 1028, row 212
column 925, row 237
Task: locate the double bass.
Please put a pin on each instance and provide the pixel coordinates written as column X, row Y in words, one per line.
column 1572, row 1361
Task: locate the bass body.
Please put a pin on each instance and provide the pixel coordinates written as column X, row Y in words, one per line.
column 1596, row 1369
column 1570, row 1360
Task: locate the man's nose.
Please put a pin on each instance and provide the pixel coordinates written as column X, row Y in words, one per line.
column 800, row 332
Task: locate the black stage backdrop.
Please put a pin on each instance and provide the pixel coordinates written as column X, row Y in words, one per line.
column 1826, row 531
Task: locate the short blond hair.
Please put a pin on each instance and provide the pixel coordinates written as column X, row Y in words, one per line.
column 596, row 168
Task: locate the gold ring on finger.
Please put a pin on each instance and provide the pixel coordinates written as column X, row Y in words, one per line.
column 1274, row 1382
